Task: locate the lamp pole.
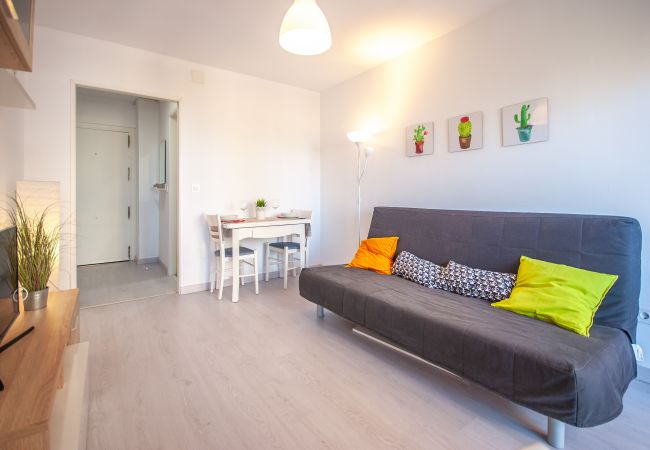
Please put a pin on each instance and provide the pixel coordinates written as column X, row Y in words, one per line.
column 359, row 138
column 361, row 170
column 359, row 176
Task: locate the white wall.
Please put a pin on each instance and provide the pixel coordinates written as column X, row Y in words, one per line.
column 589, row 57
column 240, row 137
column 11, row 151
column 104, row 110
column 167, row 200
column 148, row 117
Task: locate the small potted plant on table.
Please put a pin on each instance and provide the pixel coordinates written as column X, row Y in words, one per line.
column 260, row 209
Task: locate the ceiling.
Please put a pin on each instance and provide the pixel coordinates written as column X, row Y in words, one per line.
column 242, row 35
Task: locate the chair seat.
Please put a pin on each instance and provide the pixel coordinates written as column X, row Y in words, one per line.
column 243, row 251
column 283, row 245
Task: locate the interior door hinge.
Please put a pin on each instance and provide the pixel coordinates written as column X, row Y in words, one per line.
column 128, row 212
column 128, row 174
column 129, row 253
column 128, row 140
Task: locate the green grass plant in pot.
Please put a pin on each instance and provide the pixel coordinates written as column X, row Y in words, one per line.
column 260, row 209
column 38, row 251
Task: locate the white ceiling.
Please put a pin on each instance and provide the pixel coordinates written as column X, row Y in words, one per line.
column 242, row 35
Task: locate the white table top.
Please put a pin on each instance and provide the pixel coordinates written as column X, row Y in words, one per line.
column 267, row 222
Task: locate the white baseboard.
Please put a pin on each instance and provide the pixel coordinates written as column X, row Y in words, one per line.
column 205, row 286
column 192, row 288
column 151, row 260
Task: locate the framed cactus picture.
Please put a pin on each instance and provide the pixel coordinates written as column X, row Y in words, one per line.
column 466, row 132
column 525, row 122
column 419, row 139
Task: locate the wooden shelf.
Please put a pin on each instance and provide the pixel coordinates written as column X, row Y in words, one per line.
column 12, row 92
column 16, row 43
column 32, row 371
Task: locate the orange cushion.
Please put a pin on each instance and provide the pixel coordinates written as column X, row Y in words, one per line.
column 376, row 254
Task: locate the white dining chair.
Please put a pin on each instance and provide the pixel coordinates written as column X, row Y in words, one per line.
column 221, row 255
column 286, row 254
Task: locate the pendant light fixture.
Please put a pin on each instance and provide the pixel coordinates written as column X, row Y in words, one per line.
column 305, row 30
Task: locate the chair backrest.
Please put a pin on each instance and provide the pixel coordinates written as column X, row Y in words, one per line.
column 305, row 214
column 215, row 231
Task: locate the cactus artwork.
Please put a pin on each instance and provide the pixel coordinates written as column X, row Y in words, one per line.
column 524, row 129
column 419, row 139
column 465, row 132
column 524, row 122
column 419, row 134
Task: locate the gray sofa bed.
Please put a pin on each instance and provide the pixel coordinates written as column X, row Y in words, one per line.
column 569, row 378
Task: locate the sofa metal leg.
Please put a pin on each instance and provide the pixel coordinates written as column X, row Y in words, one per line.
column 320, row 311
column 555, row 433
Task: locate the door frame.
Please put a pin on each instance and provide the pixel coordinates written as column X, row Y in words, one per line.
column 74, row 84
column 173, row 175
column 133, row 188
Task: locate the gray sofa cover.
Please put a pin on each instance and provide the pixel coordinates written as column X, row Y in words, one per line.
column 577, row 380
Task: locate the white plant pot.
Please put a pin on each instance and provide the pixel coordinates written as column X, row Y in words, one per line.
column 260, row 213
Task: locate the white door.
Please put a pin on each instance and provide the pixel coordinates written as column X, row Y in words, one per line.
column 104, row 186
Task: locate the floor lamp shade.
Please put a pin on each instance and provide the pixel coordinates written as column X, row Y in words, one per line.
column 358, row 137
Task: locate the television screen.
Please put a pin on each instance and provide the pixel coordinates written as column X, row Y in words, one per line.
column 8, row 279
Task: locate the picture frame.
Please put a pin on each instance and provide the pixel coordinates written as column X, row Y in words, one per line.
column 419, row 139
column 465, row 132
column 525, row 122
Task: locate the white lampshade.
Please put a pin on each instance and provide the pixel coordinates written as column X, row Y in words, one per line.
column 358, row 137
column 305, row 30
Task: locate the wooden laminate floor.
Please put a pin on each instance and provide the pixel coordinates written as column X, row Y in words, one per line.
column 102, row 284
column 192, row 372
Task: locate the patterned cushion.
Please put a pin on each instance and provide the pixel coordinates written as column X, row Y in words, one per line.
column 479, row 283
column 421, row 271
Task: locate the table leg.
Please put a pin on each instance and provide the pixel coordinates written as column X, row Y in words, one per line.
column 235, row 265
column 301, row 239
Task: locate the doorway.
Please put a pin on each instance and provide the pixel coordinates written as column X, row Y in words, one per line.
column 126, row 197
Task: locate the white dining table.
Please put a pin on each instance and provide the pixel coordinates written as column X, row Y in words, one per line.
column 270, row 227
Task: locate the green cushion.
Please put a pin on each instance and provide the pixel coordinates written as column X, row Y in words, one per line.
column 565, row 296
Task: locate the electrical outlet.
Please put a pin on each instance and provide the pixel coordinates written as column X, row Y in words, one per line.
column 644, row 316
column 196, row 188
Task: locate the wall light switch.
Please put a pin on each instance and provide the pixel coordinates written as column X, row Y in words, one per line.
column 196, row 188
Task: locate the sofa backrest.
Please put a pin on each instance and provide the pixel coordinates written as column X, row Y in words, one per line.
column 496, row 241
